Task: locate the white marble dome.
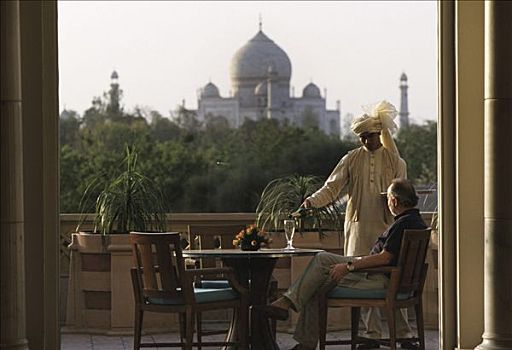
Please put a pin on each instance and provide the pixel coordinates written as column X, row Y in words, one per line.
column 311, row 90
column 210, row 90
column 253, row 59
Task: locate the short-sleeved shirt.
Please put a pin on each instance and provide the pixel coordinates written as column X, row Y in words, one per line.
column 391, row 239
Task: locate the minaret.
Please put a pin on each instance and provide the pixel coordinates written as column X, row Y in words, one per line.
column 404, row 105
column 115, row 95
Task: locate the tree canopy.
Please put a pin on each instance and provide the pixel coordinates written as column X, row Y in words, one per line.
column 209, row 167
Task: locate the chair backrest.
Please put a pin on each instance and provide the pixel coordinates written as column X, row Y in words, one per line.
column 160, row 265
column 412, row 259
column 212, row 237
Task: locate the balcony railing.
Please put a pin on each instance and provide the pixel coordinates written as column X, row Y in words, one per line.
column 176, row 222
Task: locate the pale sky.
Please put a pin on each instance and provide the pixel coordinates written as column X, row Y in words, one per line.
column 165, row 51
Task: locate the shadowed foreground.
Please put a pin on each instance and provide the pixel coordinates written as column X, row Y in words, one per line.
column 285, row 341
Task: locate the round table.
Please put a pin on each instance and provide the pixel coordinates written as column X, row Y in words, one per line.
column 253, row 269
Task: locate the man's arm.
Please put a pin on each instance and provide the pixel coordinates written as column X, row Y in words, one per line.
column 384, row 258
column 332, row 187
column 401, row 171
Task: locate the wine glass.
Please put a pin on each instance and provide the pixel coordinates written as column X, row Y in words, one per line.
column 289, row 231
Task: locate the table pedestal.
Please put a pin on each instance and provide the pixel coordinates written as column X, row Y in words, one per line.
column 255, row 275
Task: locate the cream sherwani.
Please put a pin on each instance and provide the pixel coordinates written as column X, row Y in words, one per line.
column 363, row 175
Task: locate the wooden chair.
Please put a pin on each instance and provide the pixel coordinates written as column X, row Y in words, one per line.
column 404, row 290
column 213, row 237
column 162, row 284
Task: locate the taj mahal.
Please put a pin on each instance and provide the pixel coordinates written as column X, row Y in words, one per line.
column 260, row 75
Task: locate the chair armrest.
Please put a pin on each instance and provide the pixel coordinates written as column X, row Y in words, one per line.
column 380, row 269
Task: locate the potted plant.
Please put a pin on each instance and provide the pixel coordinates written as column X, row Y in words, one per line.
column 283, row 196
column 99, row 292
column 128, row 202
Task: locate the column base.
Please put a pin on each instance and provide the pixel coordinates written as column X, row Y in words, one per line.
column 495, row 344
column 16, row 345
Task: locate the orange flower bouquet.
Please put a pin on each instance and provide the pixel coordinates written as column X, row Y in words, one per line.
column 251, row 238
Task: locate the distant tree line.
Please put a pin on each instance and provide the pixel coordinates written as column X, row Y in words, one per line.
column 208, row 167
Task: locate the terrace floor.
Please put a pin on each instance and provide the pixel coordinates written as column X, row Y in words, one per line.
column 102, row 342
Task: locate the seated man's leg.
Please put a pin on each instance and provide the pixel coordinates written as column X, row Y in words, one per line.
column 303, row 295
column 306, row 330
column 403, row 329
column 315, row 277
column 371, row 317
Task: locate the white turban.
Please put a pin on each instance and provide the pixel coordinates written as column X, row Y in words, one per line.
column 378, row 117
column 366, row 124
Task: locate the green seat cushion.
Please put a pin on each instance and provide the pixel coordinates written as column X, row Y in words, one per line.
column 215, row 284
column 203, row 295
column 353, row 293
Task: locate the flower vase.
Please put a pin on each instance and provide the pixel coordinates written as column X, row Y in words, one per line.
column 246, row 245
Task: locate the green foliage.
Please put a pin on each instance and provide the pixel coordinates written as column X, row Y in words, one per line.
column 206, row 166
column 418, row 146
column 215, row 169
column 310, row 118
column 186, row 119
column 162, row 128
column 284, row 195
column 73, row 177
column 129, row 201
column 69, row 124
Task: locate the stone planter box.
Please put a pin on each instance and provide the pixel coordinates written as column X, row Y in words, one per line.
column 100, row 295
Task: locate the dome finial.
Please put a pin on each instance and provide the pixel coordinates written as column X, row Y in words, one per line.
column 260, row 22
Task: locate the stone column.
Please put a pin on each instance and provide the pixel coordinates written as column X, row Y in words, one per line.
column 446, row 145
column 12, row 314
column 498, row 175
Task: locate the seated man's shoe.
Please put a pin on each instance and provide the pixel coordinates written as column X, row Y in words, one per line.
column 370, row 344
column 407, row 344
column 272, row 312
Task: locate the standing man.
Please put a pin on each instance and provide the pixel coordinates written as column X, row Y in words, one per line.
column 363, row 174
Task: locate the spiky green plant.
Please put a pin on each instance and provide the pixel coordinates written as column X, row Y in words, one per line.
column 128, row 202
column 283, row 196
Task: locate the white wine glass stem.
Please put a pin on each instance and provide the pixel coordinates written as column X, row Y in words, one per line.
column 289, row 231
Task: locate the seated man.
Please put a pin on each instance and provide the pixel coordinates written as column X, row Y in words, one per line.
column 326, row 268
